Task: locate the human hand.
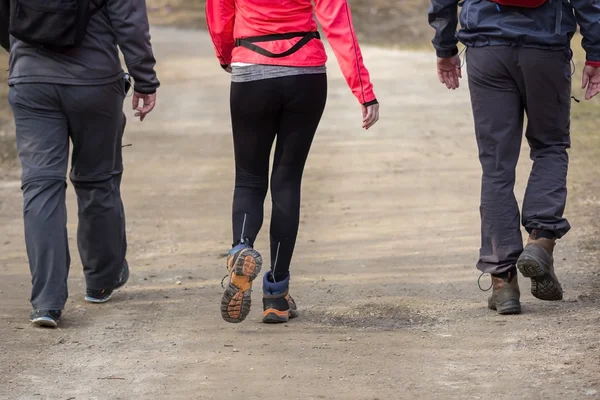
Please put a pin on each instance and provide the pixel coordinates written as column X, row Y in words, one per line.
column 148, row 102
column 370, row 115
column 448, row 70
column 591, row 81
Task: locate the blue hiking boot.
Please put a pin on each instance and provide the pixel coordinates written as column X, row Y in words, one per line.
column 104, row 295
column 277, row 303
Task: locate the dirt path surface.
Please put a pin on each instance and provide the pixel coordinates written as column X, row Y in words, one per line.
column 384, row 268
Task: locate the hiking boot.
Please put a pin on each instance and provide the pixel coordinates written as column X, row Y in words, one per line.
column 243, row 266
column 104, row 295
column 536, row 262
column 505, row 295
column 45, row 318
column 277, row 303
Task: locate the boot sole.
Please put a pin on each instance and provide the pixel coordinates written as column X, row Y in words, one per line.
column 236, row 303
column 511, row 307
column 44, row 322
column 544, row 284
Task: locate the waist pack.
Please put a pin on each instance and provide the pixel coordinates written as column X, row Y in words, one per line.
column 249, row 42
column 53, row 24
column 521, row 3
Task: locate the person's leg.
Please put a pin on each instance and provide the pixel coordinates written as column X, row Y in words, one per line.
column 96, row 124
column 305, row 101
column 303, row 107
column 547, row 82
column 43, row 146
column 255, row 109
column 498, row 113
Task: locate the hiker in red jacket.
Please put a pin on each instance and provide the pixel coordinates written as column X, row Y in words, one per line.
column 278, row 90
column 519, row 63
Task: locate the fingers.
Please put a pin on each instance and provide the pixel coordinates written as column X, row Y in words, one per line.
column 372, row 116
column 451, row 79
column 135, row 101
column 585, row 80
column 592, row 90
column 365, row 112
column 149, row 101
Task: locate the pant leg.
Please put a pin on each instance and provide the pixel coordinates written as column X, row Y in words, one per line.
column 498, row 114
column 43, row 146
column 255, row 110
column 303, row 107
column 547, row 81
column 96, row 125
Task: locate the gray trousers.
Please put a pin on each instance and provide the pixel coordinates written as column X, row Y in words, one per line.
column 507, row 83
column 47, row 116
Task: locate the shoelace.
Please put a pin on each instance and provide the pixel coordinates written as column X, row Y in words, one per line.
column 479, row 283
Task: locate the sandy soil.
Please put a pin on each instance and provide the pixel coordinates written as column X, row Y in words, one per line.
column 384, row 270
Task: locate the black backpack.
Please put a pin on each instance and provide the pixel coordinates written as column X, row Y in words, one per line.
column 57, row 25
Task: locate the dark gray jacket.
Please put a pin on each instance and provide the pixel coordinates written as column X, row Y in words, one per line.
column 122, row 23
column 484, row 23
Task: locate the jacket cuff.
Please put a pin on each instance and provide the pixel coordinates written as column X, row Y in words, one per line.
column 370, row 103
column 447, row 53
column 593, row 63
column 144, row 90
column 224, row 66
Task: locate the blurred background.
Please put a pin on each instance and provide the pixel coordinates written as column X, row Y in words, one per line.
column 388, row 23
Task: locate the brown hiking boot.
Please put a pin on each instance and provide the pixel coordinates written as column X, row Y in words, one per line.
column 505, row 295
column 536, row 262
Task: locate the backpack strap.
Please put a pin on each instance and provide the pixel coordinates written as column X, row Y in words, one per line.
column 249, row 42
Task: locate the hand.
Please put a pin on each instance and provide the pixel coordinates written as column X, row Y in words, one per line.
column 228, row 69
column 148, row 103
column 448, row 70
column 591, row 81
column 370, row 115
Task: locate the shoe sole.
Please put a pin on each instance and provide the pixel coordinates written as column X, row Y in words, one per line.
column 544, row 284
column 273, row 316
column 44, row 322
column 511, row 307
column 95, row 300
column 236, row 302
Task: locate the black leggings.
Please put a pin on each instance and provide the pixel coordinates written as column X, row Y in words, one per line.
column 290, row 109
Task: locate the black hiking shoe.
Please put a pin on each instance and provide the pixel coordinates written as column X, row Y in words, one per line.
column 536, row 262
column 278, row 305
column 104, row 295
column 45, row 318
column 505, row 296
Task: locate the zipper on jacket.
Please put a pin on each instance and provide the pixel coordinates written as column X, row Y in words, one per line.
column 559, row 12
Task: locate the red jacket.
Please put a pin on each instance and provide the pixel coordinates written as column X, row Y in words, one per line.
column 229, row 20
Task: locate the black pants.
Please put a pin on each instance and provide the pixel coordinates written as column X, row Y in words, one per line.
column 289, row 109
column 506, row 83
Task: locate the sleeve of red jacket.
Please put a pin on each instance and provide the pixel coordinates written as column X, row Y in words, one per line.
column 336, row 20
column 220, row 18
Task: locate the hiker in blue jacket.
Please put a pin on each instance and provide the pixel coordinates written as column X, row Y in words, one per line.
column 67, row 84
column 519, row 64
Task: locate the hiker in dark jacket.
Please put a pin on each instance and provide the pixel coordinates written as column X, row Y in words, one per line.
column 76, row 94
column 519, row 63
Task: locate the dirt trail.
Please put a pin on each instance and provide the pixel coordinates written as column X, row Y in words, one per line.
column 384, row 268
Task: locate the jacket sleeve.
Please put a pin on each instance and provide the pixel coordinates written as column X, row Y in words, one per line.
column 588, row 17
column 129, row 20
column 220, row 19
column 4, row 20
column 443, row 17
column 336, row 20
